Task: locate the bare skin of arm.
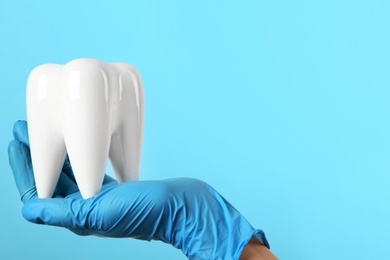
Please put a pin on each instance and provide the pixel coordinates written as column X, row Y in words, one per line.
column 254, row 250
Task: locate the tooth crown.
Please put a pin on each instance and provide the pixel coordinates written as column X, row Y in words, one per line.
column 91, row 110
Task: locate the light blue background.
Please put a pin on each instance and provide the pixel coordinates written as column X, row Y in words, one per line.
column 282, row 106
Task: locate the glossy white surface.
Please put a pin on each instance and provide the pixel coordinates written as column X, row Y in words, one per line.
column 91, row 110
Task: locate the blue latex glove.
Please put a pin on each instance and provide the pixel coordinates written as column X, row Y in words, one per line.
column 187, row 213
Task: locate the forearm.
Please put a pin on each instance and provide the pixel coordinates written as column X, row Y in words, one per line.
column 254, row 250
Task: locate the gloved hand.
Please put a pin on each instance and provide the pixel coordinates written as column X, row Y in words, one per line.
column 184, row 212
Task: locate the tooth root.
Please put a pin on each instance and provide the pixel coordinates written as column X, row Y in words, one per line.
column 86, row 123
column 48, row 158
column 125, row 154
column 46, row 140
column 126, row 142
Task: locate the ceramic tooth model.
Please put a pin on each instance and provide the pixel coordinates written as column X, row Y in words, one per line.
column 91, row 110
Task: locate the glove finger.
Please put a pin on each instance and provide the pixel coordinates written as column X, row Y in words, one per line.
column 67, row 169
column 65, row 186
column 68, row 213
column 20, row 132
column 81, row 231
column 108, row 180
column 20, row 162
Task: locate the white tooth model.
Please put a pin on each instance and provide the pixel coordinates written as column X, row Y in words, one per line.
column 91, row 110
